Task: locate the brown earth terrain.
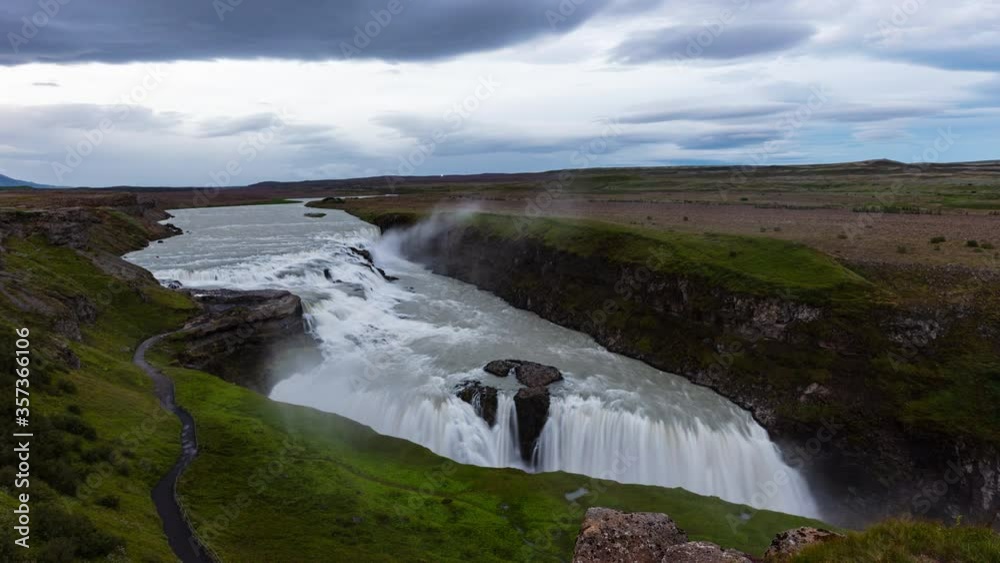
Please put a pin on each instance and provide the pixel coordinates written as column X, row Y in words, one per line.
column 867, row 212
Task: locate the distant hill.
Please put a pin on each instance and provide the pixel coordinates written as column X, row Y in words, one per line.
column 8, row 182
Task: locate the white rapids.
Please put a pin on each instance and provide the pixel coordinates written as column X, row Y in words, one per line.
column 394, row 352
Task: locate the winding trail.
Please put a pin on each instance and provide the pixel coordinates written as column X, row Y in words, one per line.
column 187, row 547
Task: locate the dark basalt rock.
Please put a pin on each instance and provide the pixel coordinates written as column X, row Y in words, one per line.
column 501, row 368
column 532, row 404
column 537, row 375
column 528, row 373
column 363, row 253
column 482, row 398
column 369, row 261
column 241, row 334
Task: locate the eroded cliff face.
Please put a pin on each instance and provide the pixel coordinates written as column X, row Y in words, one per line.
column 97, row 230
column 251, row 338
column 810, row 373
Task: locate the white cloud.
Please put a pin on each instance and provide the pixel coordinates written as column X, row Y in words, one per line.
column 359, row 117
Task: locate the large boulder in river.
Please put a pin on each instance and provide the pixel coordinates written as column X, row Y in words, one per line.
column 611, row 536
column 482, row 398
column 532, row 404
column 788, row 543
column 501, row 368
column 528, row 373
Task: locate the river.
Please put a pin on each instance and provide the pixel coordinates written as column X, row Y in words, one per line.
column 395, row 351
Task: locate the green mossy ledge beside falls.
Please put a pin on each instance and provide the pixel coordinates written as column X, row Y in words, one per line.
column 885, row 397
column 272, row 482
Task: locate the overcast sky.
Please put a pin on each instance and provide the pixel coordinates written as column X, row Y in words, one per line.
column 231, row 92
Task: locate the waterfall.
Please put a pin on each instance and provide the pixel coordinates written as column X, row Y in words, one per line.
column 395, row 353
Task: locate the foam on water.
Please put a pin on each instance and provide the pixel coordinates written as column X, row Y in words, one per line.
column 394, row 353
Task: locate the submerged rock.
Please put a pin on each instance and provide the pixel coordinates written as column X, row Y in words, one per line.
column 482, row 398
column 315, row 215
column 611, row 536
column 532, row 404
column 368, row 260
column 363, row 253
column 528, row 373
column 788, row 543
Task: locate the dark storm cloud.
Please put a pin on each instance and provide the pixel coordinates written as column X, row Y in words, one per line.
column 707, row 42
column 120, row 31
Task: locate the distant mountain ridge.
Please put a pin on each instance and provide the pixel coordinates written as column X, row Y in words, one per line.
column 8, row 182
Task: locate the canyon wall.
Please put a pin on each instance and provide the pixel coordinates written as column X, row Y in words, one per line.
column 814, row 374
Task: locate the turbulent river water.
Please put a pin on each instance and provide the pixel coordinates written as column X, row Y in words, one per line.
column 395, row 351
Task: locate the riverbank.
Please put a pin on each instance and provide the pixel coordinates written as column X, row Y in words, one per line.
column 880, row 383
column 287, row 482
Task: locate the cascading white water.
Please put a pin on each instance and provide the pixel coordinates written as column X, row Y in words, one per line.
column 395, row 352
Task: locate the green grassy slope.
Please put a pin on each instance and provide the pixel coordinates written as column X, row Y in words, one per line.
column 276, row 482
column 101, row 439
column 756, row 265
column 902, row 541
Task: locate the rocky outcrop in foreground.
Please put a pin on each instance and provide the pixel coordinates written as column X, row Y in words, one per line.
column 791, row 542
column 242, row 335
column 703, row 552
column 531, row 402
column 611, row 536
